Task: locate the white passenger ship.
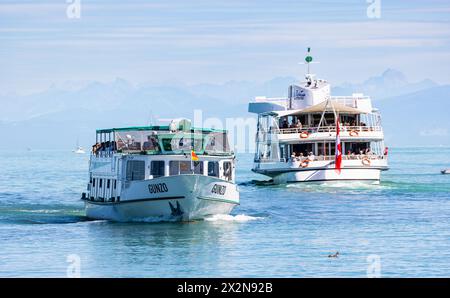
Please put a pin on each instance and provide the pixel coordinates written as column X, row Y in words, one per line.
column 168, row 172
column 296, row 136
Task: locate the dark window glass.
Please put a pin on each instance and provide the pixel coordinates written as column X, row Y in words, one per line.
column 135, row 170
column 213, row 168
column 227, row 170
column 157, row 168
column 185, row 167
column 101, row 182
column 108, row 184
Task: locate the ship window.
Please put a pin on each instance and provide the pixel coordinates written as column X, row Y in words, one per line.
column 108, row 183
column 167, row 145
column 217, row 143
column 93, row 182
column 227, row 170
column 213, row 168
column 115, row 184
column 184, row 167
column 101, row 180
column 304, row 149
column 157, row 168
column 135, row 170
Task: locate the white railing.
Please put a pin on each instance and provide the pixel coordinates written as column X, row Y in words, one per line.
column 270, row 99
column 324, row 158
column 310, row 130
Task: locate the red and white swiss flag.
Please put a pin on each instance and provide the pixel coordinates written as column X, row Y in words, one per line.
column 338, row 156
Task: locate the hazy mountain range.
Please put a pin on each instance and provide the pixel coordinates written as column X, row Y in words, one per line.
column 57, row 117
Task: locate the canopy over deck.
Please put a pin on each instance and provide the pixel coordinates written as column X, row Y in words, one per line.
column 155, row 128
column 326, row 106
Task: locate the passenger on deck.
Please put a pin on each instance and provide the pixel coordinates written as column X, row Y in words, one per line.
column 120, row 144
column 95, row 148
column 151, row 144
column 293, row 156
column 311, row 156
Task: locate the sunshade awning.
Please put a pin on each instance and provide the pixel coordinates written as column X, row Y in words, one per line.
column 328, row 106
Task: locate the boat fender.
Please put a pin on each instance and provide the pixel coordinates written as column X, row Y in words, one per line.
column 304, row 134
column 353, row 133
column 366, row 161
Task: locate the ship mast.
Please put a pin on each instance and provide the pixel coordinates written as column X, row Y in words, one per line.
column 308, row 59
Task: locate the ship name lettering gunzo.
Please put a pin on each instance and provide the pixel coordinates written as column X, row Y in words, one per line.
column 158, row 188
column 219, row 189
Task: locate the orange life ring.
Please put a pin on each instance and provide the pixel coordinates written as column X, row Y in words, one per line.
column 353, row 133
column 305, row 163
column 304, row 134
column 365, row 161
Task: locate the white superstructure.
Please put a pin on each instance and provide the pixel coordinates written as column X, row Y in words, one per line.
column 167, row 172
column 296, row 136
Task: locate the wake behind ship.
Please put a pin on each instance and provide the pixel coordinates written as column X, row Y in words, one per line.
column 169, row 172
column 312, row 136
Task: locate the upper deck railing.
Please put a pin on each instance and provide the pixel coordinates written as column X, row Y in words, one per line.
column 350, row 101
column 142, row 141
column 324, row 158
column 316, row 129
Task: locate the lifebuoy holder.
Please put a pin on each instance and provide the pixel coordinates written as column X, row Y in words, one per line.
column 353, row 133
column 365, row 161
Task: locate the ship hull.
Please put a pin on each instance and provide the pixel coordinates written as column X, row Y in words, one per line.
column 323, row 175
column 321, row 171
column 183, row 197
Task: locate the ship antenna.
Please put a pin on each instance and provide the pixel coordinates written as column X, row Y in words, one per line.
column 308, row 60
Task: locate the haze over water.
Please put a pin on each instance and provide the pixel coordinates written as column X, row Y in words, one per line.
column 277, row 231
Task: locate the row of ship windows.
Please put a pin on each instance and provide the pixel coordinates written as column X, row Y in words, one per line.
column 108, row 182
column 136, row 169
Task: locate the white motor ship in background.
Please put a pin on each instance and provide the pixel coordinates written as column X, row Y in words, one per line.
column 296, row 136
column 169, row 172
column 79, row 150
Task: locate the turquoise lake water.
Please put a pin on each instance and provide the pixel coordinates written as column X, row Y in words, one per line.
column 277, row 231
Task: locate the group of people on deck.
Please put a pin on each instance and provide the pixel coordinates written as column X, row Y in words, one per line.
column 111, row 146
column 294, row 124
column 302, row 157
column 356, row 154
column 108, row 146
column 353, row 123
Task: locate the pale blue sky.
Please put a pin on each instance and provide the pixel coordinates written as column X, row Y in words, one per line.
column 218, row 41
